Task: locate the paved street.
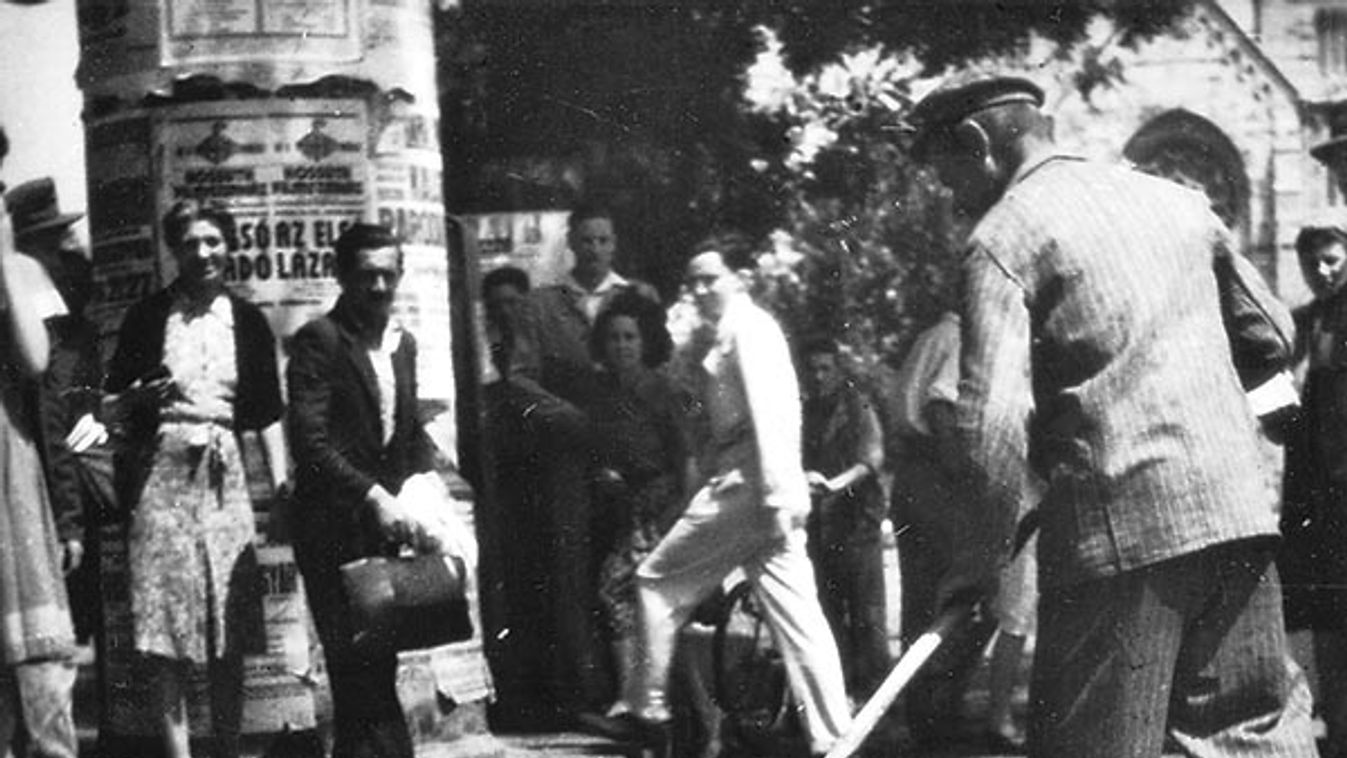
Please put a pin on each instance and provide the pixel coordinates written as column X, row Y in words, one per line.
column 504, row 745
column 975, row 705
column 968, row 746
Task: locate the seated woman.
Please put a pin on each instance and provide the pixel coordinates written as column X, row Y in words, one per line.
column 194, row 366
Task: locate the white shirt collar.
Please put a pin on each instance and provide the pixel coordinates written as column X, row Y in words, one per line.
column 391, row 337
column 219, row 308
column 607, row 283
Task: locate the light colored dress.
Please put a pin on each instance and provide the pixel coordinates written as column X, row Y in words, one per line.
column 34, row 613
column 190, row 546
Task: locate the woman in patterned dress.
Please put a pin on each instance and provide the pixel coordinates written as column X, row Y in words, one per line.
column 195, row 366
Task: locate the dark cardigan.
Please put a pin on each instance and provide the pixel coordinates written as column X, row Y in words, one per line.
column 140, row 350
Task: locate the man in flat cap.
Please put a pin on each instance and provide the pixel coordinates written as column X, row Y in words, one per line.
column 1094, row 354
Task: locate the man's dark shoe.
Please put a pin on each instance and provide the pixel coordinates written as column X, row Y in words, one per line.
column 655, row 736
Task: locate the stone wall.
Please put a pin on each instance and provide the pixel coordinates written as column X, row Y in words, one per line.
column 1213, row 71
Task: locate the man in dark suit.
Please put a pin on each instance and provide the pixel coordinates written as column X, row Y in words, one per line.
column 1094, row 350
column 355, row 439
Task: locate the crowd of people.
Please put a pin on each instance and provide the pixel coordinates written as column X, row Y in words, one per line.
column 1083, row 418
column 674, row 443
column 1081, row 446
column 193, row 369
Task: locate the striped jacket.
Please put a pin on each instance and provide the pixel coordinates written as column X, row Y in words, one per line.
column 1094, row 352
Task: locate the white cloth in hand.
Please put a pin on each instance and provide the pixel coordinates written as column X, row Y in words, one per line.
column 436, row 528
column 86, row 433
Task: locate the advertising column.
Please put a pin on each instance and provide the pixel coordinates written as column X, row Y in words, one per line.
column 303, row 116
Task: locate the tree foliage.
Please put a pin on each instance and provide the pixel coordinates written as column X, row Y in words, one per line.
column 658, row 109
column 942, row 34
column 866, row 232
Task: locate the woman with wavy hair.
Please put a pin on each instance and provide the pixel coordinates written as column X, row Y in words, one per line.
column 638, row 421
column 195, row 367
column 1312, row 561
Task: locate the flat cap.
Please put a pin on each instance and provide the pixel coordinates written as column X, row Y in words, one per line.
column 966, row 93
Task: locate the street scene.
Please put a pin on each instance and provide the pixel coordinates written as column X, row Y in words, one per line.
column 673, row 378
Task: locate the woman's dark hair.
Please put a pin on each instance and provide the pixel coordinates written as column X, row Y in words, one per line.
column 1314, row 238
column 362, row 236
column 656, row 344
column 186, row 212
column 508, row 276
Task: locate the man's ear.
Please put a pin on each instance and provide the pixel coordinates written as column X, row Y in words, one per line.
column 972, row 140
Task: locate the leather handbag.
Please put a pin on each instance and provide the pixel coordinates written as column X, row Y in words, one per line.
column 407, row 603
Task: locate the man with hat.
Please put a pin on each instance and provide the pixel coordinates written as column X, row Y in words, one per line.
column 67, row 395
column 33, row 210
column 42, row 231
column 1094, row 354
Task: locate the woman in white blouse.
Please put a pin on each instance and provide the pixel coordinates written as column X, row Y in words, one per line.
column 195, row 366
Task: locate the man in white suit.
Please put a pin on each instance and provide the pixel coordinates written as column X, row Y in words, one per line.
column 749, row 513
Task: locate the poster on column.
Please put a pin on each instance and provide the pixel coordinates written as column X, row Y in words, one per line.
column 122, row 215
column 133, row 47
column 214, row 31
column 534, row 241
column 408, row 198
column 294, row 173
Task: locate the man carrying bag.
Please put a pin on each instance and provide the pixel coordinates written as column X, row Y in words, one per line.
column 355, row 440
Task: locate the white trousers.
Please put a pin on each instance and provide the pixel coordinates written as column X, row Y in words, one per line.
column 727, row 527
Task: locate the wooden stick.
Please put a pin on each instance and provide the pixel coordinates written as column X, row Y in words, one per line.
column 907, row 667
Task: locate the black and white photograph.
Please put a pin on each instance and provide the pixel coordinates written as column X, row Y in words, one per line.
column 673, row 378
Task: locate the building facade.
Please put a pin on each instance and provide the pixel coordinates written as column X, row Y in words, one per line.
column 1232, row 100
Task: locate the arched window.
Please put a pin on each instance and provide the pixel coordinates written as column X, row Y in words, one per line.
column 1191, row 150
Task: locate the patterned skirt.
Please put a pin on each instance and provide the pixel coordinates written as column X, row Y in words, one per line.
column 617, row 580
column 194, row 583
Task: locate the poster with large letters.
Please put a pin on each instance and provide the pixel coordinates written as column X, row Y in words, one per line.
column 295, row 174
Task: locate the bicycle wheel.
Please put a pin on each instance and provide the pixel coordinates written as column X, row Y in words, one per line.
column 750, row 680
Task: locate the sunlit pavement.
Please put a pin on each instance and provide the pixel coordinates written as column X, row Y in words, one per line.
column 965, row 743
